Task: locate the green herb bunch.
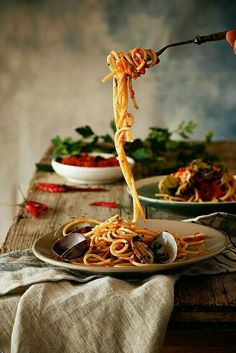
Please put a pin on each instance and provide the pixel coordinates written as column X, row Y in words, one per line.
column 158, row 153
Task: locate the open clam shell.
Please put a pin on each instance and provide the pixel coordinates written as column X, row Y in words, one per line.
column 71, row 246
column 164, row 248
column 74, row 244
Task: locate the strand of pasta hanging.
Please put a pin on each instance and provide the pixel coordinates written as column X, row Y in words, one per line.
column 124, row 68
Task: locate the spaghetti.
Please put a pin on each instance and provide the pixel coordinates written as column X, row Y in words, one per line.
column 124, row 68
column 199, row 182
column 118, row 242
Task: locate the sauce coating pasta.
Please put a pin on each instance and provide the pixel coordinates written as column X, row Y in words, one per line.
column 124, row 68
column 118, row 242
column 199, row 182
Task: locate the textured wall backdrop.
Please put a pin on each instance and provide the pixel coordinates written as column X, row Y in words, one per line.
column 53, row 55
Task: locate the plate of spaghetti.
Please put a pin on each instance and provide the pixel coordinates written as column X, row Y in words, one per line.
column 120, row 246
column 198, row 188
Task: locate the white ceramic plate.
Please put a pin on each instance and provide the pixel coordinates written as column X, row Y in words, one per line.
column 148, row 187
column 90, row 175
column 215, row 243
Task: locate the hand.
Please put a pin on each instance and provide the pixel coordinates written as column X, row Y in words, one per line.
column 231, row 39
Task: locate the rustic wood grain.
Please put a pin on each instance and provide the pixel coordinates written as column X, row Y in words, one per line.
column 201, row 300
column 200, row 341
column 220, row 291
column 62, row 207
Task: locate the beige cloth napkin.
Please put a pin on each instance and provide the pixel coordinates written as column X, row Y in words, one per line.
column 48, row 309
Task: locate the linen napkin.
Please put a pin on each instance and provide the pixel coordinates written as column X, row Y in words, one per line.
column 225, row 262
column 49, row 309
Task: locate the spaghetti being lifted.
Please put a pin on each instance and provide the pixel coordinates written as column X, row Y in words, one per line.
column 124, row 68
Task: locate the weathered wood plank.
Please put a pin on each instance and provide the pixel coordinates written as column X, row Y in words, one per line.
column 62, row 207
column 205, row 299
column 199, row 341
column 217, row 291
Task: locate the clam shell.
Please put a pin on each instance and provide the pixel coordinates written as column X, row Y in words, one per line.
column 164, row 248
column 71, row 246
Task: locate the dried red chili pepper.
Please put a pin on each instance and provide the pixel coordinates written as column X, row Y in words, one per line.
column 49, row 187
column 54, row 188
column 112, row 204
column 35, row 208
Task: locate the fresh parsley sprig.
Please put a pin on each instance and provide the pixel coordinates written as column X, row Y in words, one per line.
column 158, row 153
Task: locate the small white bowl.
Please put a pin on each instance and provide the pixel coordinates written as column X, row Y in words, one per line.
column 90, row 175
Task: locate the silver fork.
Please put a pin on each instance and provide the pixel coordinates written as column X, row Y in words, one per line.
column 197, row 40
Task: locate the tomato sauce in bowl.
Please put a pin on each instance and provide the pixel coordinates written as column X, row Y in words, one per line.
column 86, row 160
column 95, row 168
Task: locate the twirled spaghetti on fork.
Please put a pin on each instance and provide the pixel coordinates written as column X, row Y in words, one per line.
column 124, row 68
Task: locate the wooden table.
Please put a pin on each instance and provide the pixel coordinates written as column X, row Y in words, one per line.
column 204, row 316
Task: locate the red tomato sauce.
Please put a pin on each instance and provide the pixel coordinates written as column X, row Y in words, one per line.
column 85, row 160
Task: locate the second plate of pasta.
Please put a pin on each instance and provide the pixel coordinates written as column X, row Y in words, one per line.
column 148, row 188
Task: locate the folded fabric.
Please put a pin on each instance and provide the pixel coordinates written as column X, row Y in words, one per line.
column 50, row 309
column 225, row 262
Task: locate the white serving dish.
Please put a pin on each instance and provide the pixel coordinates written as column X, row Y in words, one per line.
column 90, row 175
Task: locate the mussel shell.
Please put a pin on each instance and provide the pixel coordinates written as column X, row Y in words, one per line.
column 71, row 246
column 74, row 244
column 164, row 248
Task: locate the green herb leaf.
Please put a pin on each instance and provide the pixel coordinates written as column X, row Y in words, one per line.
column 113, row 126
column 185, row 129
column 107, row 138
column 41, row 167
column 209, row 136
column 85, row 131
column 140, row 154
column 158, row 153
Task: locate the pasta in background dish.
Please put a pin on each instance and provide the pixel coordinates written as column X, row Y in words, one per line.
column 199, row 182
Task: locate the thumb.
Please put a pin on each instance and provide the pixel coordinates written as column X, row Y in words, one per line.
column 231, row 37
